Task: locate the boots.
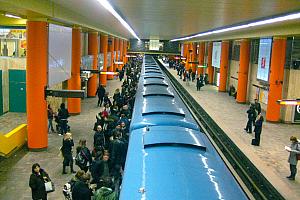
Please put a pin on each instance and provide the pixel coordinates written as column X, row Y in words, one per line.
column 72, row 170
column 64, row 169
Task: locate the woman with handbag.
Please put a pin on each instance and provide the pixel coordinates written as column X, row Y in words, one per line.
column 37, row 182
column 83, row 157
column 294, row 150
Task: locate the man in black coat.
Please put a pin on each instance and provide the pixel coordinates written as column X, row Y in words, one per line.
column 100, row 92
column 251, row 118
column 257, row 106
column 63, row 115
column 258, row 128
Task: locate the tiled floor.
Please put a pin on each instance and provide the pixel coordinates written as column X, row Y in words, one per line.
column 270, row 157
column 15, row 171
column 10, row 120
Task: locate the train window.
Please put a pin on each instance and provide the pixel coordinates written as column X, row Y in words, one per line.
column 152, row 95
column 160, row 77
column 152, row 71
column 161, row 84
column 163, row 113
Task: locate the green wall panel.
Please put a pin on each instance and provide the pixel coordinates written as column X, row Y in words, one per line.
column 17, row 91
column 1, row 94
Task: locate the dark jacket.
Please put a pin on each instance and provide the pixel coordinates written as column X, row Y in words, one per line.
column 86, row 153
column 257, row 107
column 63, row 114
column 97, row 169
column 258, row 125
column 251, row 113
column 99, row 139
column 81, row 191
column 37, row 185
column 100, row 91
column 67, row 147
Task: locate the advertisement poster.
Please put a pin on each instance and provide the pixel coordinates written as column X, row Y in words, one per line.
column 216, row 54
column 263, row 69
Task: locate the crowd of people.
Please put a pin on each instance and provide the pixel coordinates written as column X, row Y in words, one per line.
column 101, row 168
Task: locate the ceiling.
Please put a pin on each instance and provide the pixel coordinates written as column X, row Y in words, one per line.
column 154, row 19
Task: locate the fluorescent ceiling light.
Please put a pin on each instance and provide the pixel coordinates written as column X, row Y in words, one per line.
column 251, row 24
column 12, row 16
column 108, row 7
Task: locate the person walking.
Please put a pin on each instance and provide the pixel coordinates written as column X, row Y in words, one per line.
column 257, row 129
column 50, row 119
column 100, row 92
column 67, row 152
column 37, row 182
column 294, row 150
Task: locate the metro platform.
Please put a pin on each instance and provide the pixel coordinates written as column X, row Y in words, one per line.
column 15, row 171
column 270, row 157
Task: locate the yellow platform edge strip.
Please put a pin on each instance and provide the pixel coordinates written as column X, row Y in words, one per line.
column 13, row 140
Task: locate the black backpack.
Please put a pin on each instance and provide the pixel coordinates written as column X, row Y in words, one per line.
column 80, row 159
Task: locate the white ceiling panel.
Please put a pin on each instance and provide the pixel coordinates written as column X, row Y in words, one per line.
column 169, row 19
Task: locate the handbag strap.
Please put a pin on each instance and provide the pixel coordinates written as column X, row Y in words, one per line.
column 84, row 155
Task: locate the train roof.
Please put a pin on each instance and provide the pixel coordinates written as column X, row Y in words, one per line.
column 172, row 163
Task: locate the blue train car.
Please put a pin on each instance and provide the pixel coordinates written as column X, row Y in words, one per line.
column 175, row 163
column 168, row 157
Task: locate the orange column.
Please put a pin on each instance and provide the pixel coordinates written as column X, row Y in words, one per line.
column 74, row 83
column 201, row 57
column 224, row 65
column 111, row 50
column 276, row 79
column 243, row 71
column 103, row 49
column 210, row 68
column 124, row 51
column 116, row 50
column 185, row 53
column 93, row 50
column 36, row 80
column 121, row 52
column 194, row 54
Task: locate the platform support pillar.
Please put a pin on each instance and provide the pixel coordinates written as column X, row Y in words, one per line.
column 210, row 69
column 276, row 79
column 201, row 58
column 116, row 47
column 36, row 81
column 121, row 53
column 103, row 50
column 93, row 50
column 111, row 64
column 243, row 71
column 224, row 66
column 74, row 83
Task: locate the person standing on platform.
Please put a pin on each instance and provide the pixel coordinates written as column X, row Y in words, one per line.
column 198, row 84
column 294, row 150
column 67, row 152
column 37, row 182
column 257, row 106
column 251, row 118
column 100, row 92
column 63, row 115
column 257, row 129
column 50, row 119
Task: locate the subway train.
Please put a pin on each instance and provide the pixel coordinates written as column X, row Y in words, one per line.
column 168, row 157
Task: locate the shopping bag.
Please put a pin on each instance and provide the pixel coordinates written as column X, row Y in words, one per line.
column 49, row 186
